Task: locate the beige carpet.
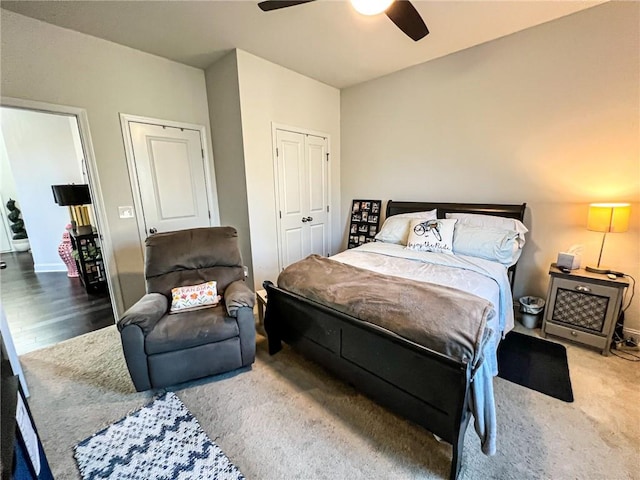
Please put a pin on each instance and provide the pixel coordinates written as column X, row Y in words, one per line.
column 286, row 418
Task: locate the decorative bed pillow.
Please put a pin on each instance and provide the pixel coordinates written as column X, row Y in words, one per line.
column 194, row 297
column 503, row 223
column 431, row 235
column 395, row 229
column 490, row 243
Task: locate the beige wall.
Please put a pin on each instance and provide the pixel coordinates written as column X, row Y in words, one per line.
column 226, row 127
column 50, row 64
column 547, row 116
column 270, row 93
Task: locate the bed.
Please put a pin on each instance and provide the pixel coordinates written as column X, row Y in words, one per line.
column 406, row 370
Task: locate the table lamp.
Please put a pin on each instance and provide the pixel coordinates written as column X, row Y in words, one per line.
column 76, row 197
column 607, row 218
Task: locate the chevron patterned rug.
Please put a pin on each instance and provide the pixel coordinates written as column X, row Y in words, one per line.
column 162, row 441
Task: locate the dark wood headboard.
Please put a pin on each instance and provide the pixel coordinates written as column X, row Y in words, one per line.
column 496, row 209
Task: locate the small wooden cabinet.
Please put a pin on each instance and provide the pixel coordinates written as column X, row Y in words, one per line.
column 583, row 307
column 88, row 257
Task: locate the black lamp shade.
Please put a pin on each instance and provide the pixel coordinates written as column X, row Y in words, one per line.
column 65, row 195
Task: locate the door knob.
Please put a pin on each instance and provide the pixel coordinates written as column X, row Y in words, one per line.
column 307, row 219
column 152, row 231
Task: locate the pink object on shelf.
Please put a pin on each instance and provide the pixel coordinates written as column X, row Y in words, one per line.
column 64, row 250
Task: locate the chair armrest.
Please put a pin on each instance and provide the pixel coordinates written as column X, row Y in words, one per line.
column 238, row 295
column 132, row 338
column 146, row 312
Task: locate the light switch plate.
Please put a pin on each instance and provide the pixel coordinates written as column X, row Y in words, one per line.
column 125, row 212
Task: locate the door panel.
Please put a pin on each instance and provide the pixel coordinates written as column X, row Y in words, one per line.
column 171, row 177
column 294, row 245
column 316, row 178
column 290, row 186
column 318, row 239
column 292, row 172
column 318, row 188
column 302, row 176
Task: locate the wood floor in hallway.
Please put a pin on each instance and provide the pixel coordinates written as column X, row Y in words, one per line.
column 46, row 308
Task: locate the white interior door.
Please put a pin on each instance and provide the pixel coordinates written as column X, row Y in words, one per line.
column 171, row 177
column 302, row 176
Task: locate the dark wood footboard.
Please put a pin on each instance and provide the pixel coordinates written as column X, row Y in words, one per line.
column 422, row 385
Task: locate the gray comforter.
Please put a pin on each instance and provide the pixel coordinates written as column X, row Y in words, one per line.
column 441, row 318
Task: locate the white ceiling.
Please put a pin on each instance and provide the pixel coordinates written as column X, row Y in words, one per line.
column 325, row 40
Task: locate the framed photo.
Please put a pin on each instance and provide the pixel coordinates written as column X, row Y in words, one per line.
column 365, row 222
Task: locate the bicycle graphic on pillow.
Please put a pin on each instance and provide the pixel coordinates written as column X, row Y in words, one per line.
column 429, row 226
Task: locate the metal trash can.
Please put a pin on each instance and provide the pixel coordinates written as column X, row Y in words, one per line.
column 531, row 307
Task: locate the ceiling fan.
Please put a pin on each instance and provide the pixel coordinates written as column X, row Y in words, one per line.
column 401, row 12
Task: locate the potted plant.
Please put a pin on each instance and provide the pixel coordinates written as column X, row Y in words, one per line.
column 19, row 239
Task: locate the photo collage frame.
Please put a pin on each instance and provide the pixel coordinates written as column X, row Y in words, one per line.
column 365, row 222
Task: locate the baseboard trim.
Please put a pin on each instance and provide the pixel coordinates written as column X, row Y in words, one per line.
column 631, row 332
column 49, row 267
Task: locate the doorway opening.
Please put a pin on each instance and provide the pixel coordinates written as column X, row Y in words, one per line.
column 43, row 302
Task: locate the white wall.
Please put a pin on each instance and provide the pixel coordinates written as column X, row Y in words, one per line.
column 41, row 152
column 548, row 116
column 45, row 63
column 270, row 93
column 7, row 191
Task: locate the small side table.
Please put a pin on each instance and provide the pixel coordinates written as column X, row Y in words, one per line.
column 261, row 295
column 583, row 307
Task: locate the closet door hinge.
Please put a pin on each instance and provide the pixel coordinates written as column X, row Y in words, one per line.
column 277, row 152
column 280, row 213
column 327, row 157
column 327, row 208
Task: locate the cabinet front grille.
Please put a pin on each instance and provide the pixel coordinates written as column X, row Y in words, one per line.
column 578, row 309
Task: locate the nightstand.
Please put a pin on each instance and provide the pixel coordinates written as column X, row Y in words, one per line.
column 583, row 307
column 261, row 296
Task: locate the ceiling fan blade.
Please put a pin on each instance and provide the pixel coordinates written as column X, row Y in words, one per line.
column 269, row 5
column 407, row 19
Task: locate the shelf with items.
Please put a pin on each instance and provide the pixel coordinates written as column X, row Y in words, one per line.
column 365, row 222
column 88, row 257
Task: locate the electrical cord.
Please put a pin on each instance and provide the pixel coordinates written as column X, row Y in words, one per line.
column 618, row 352
column 633, row 291
column 625, row 354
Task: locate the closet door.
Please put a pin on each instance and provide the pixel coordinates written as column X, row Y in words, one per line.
column 302, row 178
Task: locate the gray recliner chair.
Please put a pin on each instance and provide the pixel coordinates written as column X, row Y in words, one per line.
column 163, row 349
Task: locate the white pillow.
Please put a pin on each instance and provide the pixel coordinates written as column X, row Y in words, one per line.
column 490, row 243
column 432, row 235
column 395, row 229
column 194, row 297
column 503, row 223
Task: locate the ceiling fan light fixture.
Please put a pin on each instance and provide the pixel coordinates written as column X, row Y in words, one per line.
column 371, row 7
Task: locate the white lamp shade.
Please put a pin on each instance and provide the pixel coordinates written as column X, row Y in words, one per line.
column 609, row 217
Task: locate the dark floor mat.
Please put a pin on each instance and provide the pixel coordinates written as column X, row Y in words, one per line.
column 536, row 364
